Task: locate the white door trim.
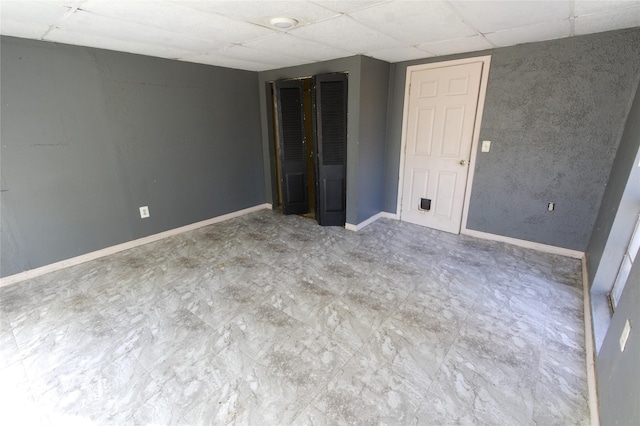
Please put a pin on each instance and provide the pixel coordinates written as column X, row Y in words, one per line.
column 486, row 61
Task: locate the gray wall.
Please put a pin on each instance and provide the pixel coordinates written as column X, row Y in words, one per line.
column 618, row 373
column 374, row 91
column 90, row 135
column 554, row 112
column 350, row 65
column 619, row 209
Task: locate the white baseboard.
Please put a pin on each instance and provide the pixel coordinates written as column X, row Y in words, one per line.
column 590, row 347
column 483, row 235
column 524, row 243
column 386, row 215
column 21, row 276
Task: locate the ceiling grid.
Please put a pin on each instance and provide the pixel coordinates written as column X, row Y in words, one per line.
column 239, row 34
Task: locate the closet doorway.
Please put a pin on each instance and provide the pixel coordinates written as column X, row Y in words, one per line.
column 310, row 134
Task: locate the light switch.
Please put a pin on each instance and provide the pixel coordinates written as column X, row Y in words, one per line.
column 624, row 335
column 486, row 146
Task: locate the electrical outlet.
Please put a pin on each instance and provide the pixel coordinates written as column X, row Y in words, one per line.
column 144, row 212
column 551, row 207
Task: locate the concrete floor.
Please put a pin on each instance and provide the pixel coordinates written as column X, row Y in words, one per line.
column 273, row 320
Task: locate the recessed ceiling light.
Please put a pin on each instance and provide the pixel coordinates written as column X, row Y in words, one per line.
column 283, row 23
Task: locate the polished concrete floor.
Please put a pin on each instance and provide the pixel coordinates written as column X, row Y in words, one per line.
column 273, row 320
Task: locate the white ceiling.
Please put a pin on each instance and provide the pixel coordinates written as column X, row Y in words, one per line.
column 237, row 34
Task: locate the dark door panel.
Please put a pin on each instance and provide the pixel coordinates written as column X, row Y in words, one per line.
column 330, row 124
column 291, row 137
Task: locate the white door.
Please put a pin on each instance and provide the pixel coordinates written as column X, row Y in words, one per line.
column 439, row 130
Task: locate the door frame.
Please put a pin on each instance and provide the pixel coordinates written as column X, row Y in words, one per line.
column 484, row 77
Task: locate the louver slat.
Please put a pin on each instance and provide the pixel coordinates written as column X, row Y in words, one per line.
column 333, row 123
column 291, row 119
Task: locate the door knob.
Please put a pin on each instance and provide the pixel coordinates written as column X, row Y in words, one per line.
column 463, row 162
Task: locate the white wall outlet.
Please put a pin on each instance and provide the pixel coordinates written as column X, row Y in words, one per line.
column 144, row 212
column 486, row 146
column 625, row 335
column 551, row 207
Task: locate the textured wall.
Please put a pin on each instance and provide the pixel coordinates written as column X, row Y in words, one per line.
column 554, row 112
column 373, row 118
column 619, row 209
column 90, row 135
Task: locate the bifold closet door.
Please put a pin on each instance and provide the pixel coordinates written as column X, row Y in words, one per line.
column 291, row 138
column 330, row 125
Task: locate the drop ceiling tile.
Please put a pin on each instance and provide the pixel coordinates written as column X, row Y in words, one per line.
column 414, row 22
column 237, row 34
column 22, row 29
column 82, row 22
column 346, row 6
column 71, row 4
column 261, row 11
column 223, row 61
column 607, row 21
column 31, row 12
column 175, row 17
column 298, row 47
column 254, row 55
column 493, row 16
column 587, row 7
column 540, row 32
column 347, row 34
column 459, row 45
column 399, row 55
column 78, row 39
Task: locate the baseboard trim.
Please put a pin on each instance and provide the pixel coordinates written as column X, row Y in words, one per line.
column 524, row 243
column 590, row 347
column 32, row 273
column 388, row 215
column 375, row 217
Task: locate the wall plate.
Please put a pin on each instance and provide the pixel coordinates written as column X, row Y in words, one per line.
column 625, row 335
column 144, row 212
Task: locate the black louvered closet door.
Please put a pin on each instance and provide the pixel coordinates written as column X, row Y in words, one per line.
column 330, row 123
column 292, row 147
